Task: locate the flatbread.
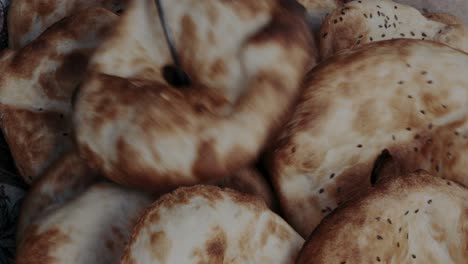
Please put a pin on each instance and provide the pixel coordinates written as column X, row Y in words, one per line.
column 67, row 178
column 79, row 220
column 28, row 19
column 37, row 84
column 205, row 224
column 360, row 22
column 139, row 130
column 92, row 228
column 392, row 107
column 457, row 8
column 411, row 219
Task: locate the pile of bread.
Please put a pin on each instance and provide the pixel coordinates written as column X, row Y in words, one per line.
column 356, row 113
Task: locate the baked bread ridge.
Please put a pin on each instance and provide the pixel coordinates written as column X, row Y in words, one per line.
column 92, row 228
column 65, row 179
column 360, row 22
column 416, row 217
column 28, row 19
column 404, row 100
column 133, row 126
column 37, row 84
column 224, row 226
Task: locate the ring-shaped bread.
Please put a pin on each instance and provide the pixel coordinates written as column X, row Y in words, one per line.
column 246, row 60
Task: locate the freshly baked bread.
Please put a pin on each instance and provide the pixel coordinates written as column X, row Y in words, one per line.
column 457, row 8
column 411, row 219
column 246, row 60
column 67, row 178
column 387, row 108
column 27, row 19
column 92, row 228
column 205, row 224
column 68, row 218
column 365, row 21
column 36, row 86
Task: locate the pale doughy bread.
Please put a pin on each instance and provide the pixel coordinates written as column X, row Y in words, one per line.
column 140, row 131
column 205, row 224
column 36, row 86
column 27, row 19
column 365, row 21
column 64, row 180
column 410, row 219
column 392, row 106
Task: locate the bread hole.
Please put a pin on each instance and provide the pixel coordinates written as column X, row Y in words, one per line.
column 379, row 164
column 74, row 96
column 175, row 76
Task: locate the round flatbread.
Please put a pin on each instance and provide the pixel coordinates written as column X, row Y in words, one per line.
column 365, row 21
column 67, row 217
column 140, row 129
column 205, row 224
column 37, row 84
column 458, row 8
column 387, row 108
column 63, row 180
column 92, row 228
column 28, row 19
column 410, row 219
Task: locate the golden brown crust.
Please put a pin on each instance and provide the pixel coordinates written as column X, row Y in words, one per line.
column 224, row 119
column 416, row 217
column 28, row 19
column 37, row 86
column 224, row 225
column 444, row 18
column 387, row 96
column 62, row 181
column 361, row 22
column 38, row 245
